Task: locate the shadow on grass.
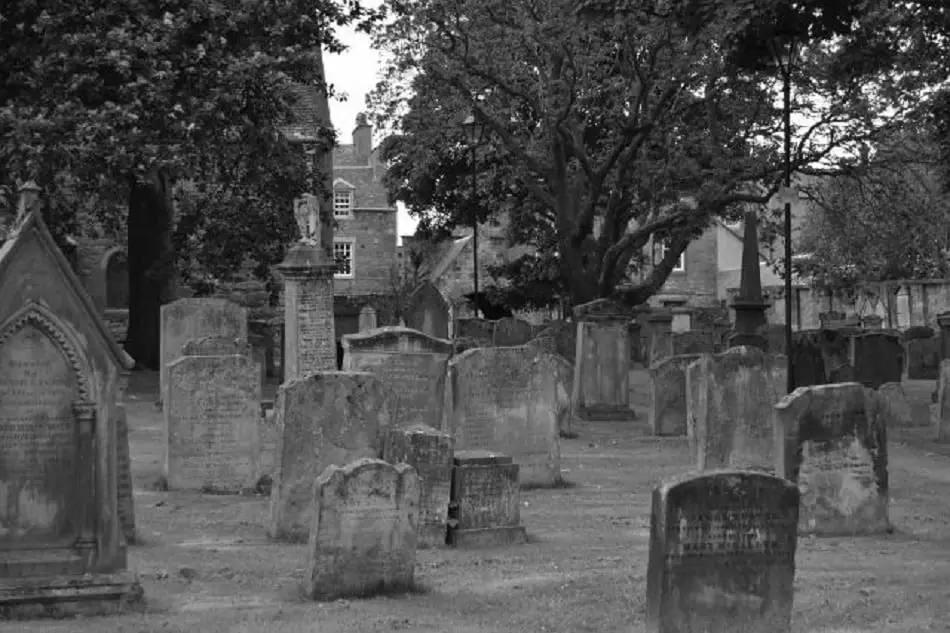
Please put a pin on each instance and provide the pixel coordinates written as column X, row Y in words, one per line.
column 559, row 484
column 568, row 435
column 413, row 588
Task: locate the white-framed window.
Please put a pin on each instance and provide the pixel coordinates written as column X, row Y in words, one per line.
column 663, row 246
column 343, row 255
column 342, row 203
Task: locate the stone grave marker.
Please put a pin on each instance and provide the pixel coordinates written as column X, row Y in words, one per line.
column 212, row 420
column 894, row 398
column 123, row 462
column 942, row 415
column 62, row 376
column 325, row 419
column 697, row 400
column 412, row 364
column 428, row 311
column 832, row 441
column 189, row 319
column 563, row 335
column 877, row 357
column 733, row 418
column 722, row 554
column 923, row 358
column 429, row 451
column 602, row 365
column 668, row 394
column 485, row 508
column 507, row 398
column 363, row 538
column 367, row 318
column 511, row 332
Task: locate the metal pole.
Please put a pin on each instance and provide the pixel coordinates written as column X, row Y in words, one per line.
column 787, row 114
column 474, row 233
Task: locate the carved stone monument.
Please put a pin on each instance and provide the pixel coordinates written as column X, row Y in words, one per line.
column 602, row 365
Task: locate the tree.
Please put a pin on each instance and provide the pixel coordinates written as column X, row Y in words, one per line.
column 609, row 126
column 887, row 219
column 128, row 97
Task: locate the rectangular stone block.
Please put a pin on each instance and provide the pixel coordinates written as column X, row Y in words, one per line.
column 722, row 554
column 212, row 417
column 832, row 441
column 326, row 419
column 506, row 398
column 429, row 451
column 668, row 394
column 485, row 509
column 126, row 494
column 363, row 539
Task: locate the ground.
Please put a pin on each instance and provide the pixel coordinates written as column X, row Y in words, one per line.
column 207, row 567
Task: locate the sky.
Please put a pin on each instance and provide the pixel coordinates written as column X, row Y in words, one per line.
column 353, row 74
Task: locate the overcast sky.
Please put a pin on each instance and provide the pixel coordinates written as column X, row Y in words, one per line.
column 353, row 74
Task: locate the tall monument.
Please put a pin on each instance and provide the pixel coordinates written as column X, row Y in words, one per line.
column 749, row 305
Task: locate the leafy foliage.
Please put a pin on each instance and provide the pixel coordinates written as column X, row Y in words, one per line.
column 607, row 126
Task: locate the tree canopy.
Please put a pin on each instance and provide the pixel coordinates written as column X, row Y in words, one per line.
column 610, row 127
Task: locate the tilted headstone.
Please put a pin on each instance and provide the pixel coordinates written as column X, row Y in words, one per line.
column 123, row 462
column 412, row 364
column 212, row 419
column 722, row 554
column 485, row 508
column 62, row 377
column 428, row 311
column 190, row 319
column 877, row 358
column 733, row 422
column 363, row 534
column 326, row 419
column 668, row 394
column 602, row 366
column 506, row 398
column 511, row 332
column 429, row 451
column 832, row 441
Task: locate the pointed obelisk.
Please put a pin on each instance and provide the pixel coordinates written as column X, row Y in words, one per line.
column 750, row 307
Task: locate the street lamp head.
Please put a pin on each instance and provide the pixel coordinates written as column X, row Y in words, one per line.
column 473, row 128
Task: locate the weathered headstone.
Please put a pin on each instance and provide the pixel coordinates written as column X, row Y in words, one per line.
column 668, row 394
column 326, row 419
column 923, row 359
column 722, row 554
column 511, row 332
column 429, row 451
column 507, row 398
column 733, row 419
column 428, row 311
column 363, row 537
column 602, row 366
column 189, row 319
column 367, row 319
column 412, row 364
column 123, row 462
column 62, row 377
column 897, row 404
column 877, row 358
column 660, row 329
column 485, row 508
column 832, row 441
column 212, row 419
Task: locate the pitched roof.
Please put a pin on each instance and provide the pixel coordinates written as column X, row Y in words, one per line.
column 33, row 225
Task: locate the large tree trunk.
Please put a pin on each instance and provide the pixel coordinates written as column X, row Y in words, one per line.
column 151, row 261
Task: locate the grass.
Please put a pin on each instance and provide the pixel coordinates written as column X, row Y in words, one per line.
column 207, row 566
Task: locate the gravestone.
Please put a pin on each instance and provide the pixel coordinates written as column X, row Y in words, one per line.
column 733, row 418
column 564, row 375
column 326, row 419
column 511, row 332
column 189, row 319
column 602, row 365
column 216, row 346
column 942, row 417
column 722, row 554
column 697, row 399
column 507, row 398
column 894, row 399
column 660, row 335
column 367, row 318
column 485, row 508
column 668, row 394
column 212, row 418
column 429, row 451
column 412, row 364
column 123, row 463
column 832, row 441
column 923, row 359
column 428, row 311
column 62, row 378
column 363, row 538
column 877, row 358
column 481, row 331
column 807, row 358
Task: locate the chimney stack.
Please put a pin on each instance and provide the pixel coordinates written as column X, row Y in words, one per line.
column 363, row 137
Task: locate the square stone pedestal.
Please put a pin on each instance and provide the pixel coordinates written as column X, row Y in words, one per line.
column 485, row 507
column 69, row 596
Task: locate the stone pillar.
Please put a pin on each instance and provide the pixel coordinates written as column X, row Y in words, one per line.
column 661, row 336
column 750, row 307
column 943, row 320
column 602, row 367
column 309, row 332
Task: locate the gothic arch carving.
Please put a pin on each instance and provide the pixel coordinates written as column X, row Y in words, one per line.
column 36, row 314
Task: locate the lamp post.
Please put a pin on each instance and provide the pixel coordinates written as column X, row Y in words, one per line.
column 785, row 65
column 473, row 130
